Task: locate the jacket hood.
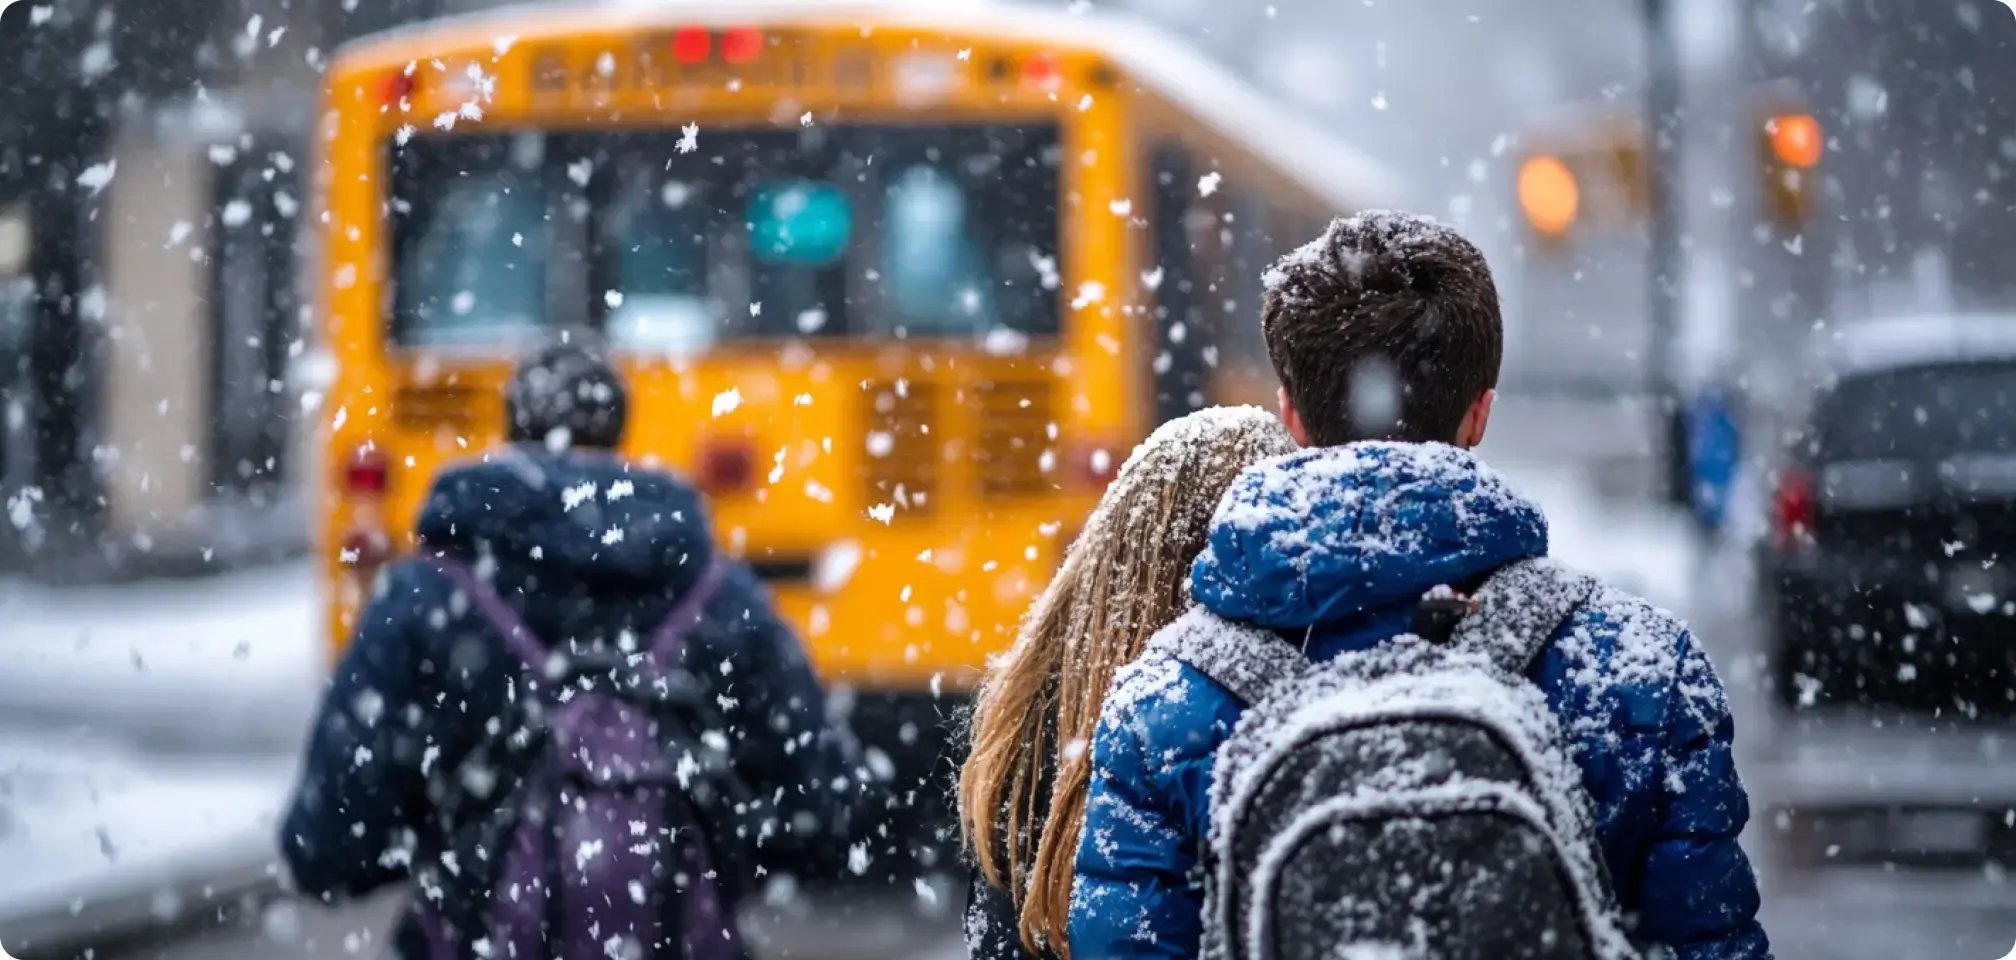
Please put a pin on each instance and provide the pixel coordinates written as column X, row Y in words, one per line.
column 591, row 517
column 1337, row 532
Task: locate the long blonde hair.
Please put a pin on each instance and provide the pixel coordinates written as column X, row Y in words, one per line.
column 1126, row 576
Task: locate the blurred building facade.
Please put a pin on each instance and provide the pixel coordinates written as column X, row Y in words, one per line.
column 154, row 172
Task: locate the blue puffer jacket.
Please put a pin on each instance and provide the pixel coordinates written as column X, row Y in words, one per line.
column 1332, row 548
column 584, row 547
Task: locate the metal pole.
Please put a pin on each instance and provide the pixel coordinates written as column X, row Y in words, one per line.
column 1663, row 138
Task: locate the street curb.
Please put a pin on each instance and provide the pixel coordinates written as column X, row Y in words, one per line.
column 135, row 902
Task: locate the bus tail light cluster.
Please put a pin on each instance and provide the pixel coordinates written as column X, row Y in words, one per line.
column 367, row 473
column 726, row 467
column 365, row 478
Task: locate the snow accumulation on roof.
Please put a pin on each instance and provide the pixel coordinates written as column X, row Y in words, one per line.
column 1218, row 99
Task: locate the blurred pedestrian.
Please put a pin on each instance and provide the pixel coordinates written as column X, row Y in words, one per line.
column 578, row 725
column 1375, row 589
column 1022, row 791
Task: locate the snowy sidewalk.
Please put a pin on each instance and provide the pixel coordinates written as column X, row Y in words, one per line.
column 147, row 738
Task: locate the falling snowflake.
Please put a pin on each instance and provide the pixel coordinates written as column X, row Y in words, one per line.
column 689, row 138
column 726, row 401
column 1208, row 183
column 98, row 175
column 882, row 513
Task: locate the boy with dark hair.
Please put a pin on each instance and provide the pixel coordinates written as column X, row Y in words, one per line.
column 1386, row 335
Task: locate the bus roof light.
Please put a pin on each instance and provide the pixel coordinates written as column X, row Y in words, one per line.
column 396, row 87
column 741, row 45
column 691, row 44
column 1043, row 71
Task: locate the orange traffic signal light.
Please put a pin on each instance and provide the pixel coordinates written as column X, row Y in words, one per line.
column 1796, row 140
column 1549, row 194
column 1791, row 144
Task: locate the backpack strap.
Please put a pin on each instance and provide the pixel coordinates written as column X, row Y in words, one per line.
column 670, row 637
column 1520, row 609
column 518, row 637
column 662, row 650
column 1244, row 659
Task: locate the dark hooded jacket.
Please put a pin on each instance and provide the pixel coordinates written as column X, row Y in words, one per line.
column 585, row 548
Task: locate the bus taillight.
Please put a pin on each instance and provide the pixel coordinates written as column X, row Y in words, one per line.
column 366, row 550
column 1094, row 464
column 367, row 473
column 726, row 466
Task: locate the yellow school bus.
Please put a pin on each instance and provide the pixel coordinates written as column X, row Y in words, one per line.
column 898, row 286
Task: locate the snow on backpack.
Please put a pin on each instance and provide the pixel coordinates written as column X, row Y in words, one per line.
column 1414, row 800
column 599, row 819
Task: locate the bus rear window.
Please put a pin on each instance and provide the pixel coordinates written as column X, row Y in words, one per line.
column 817, row 232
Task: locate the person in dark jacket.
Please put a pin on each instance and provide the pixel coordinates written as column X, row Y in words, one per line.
column 1022, row 790
column 1386, row 335
column 587, row 549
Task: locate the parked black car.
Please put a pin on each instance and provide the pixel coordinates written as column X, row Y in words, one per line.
column 1890, row 573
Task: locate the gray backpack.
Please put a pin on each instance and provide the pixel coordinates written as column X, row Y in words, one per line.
column 1414, row 800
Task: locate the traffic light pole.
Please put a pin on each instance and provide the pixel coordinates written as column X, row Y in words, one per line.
column 1663, row 138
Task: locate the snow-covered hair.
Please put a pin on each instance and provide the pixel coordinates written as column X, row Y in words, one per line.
column 1386, row 327
column 1123, row 578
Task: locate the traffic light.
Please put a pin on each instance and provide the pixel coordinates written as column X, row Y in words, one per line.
column 1791, row 144
column 1549, row 194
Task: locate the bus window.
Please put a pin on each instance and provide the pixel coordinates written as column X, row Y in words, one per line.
column 654, row 239
column 836, row 231
column 931, row 264
column 471, row 241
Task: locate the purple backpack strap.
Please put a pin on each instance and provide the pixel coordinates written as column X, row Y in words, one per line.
column 666, row 641
column 499, row 614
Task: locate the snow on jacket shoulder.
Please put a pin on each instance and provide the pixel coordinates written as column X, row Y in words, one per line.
column 1333, row 548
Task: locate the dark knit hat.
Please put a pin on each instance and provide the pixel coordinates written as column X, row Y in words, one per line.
column 566, row 395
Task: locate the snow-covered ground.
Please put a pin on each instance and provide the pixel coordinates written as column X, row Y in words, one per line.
column 147, row 735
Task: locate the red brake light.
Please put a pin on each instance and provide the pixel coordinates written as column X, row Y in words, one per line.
column 367, row 473
column 726, row 467
column 1794, row 509
column 741, row 45
column 691, row 45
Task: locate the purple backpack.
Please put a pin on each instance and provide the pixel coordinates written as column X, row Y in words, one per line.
column 611, row 837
